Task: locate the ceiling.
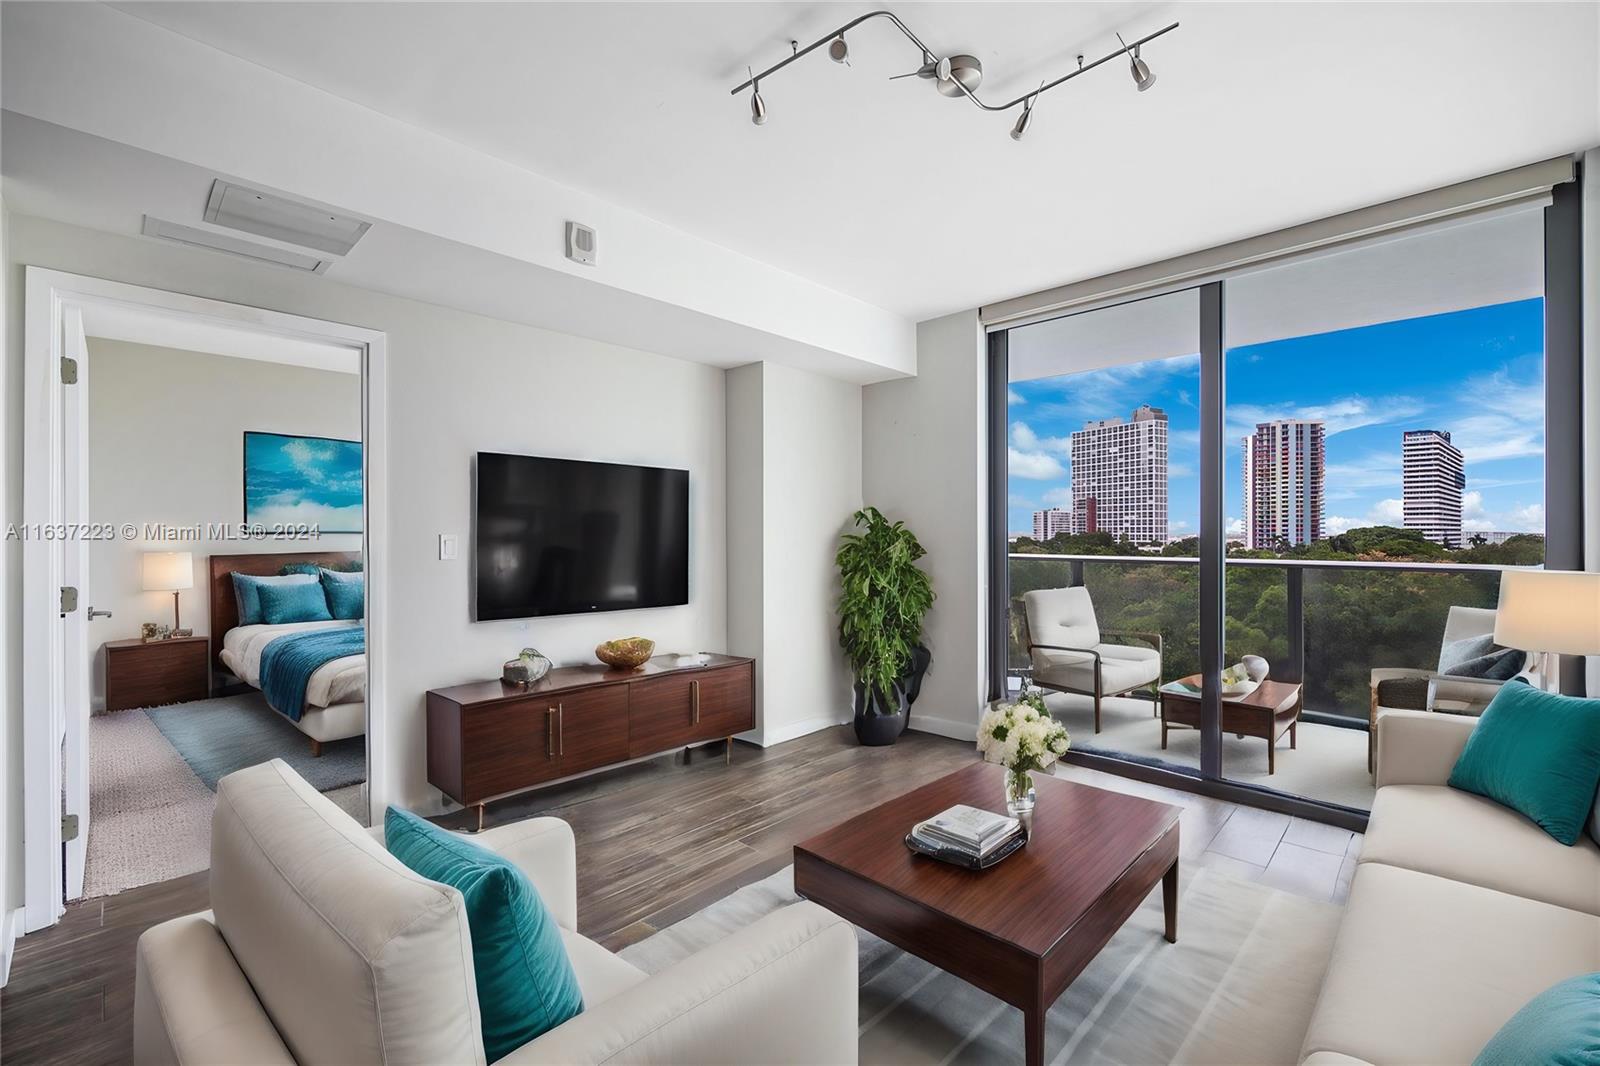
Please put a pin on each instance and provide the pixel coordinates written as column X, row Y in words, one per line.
column 191, row 333
column 1264, row 115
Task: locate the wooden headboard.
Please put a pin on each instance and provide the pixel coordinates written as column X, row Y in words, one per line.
column 219, row 586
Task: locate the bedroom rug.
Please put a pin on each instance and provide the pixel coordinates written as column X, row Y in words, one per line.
column 1238, row 987
column 218, row 736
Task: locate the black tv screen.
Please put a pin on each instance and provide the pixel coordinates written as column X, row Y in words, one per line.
column 558, row 536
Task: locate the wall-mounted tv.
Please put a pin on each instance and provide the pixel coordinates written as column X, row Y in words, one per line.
column 560, row 536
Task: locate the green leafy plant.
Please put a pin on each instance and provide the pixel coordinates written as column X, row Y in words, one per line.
column 884, row 596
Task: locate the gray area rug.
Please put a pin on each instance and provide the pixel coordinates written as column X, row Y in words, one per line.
column 218, row 736
column 1237, row 988
column 149, row 815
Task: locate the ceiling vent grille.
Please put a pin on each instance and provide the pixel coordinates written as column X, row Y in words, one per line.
column 221, row 242
column 279, row 218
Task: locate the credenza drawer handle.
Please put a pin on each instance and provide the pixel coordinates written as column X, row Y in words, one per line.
column 694, row 700
column 561, row 729
column 550, row 732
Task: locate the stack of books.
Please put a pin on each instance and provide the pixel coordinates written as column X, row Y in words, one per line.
column 967, row 836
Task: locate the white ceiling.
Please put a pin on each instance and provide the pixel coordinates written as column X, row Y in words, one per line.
column 190, row 333
column 1264, row 115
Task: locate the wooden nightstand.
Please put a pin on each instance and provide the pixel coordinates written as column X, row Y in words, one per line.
column 140, row 674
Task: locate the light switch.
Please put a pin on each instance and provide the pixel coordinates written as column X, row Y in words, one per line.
column 447, row 546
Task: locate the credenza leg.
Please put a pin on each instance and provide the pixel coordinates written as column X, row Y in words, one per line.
column 727, row 752
column 480, row 818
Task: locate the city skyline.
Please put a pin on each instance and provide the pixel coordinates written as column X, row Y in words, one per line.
column 1477, row 374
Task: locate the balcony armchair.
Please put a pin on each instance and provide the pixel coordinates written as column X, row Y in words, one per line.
column 1422, row 689
column 1065, row 645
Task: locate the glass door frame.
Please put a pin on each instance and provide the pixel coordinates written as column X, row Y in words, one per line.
column 1563, row 506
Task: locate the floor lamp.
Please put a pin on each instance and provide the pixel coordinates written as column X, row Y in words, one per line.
column 1549, row 613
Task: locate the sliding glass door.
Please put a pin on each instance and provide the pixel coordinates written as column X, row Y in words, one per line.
column 1304, row 480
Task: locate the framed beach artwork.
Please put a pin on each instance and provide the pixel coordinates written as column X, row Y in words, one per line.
column 302, row 481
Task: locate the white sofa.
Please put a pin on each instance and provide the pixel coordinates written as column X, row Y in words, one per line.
column 1460, row 912
column 322, row 948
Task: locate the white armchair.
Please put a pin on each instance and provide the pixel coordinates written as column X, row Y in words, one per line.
column 321, row 947
column 1442, row 693
column 1068, row 653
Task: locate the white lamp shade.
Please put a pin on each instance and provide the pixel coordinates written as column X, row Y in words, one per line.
column 1549, row 611
column 168, row 571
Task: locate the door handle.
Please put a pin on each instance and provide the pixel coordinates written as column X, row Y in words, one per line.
column 694, row 700
column 550, row 732
column 93, row 614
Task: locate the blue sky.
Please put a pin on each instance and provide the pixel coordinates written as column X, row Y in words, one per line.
column 1477, row 374
column 303, row 480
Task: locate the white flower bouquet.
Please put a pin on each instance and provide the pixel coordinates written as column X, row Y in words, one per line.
column 1022, row 737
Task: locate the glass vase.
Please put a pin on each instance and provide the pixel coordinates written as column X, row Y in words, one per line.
column 1019, row 792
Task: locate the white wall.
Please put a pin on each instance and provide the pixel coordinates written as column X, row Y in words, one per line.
column 166, row 446
column 458, row 384
column 10, row 779
column 923, row 461
column 794, row 480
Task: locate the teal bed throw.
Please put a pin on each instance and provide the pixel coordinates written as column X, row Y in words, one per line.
column 288, row 662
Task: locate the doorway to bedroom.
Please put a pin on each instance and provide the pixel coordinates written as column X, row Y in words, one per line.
column 214, row 495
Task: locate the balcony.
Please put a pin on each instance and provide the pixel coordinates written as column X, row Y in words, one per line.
column 1325, row 624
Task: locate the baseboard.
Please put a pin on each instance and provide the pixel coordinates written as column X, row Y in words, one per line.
column 10, row 928
column 767, row 738
column 955, row 729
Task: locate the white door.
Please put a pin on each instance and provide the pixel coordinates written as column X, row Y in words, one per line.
column 76, row 653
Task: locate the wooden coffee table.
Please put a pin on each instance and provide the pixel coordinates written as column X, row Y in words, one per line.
column 1268, row 712
column 1024, row 929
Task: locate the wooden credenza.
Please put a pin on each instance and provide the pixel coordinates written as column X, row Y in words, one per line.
column 488, row 739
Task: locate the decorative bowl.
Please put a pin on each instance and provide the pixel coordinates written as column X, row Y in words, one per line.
column 628, row 653
column 526, row 668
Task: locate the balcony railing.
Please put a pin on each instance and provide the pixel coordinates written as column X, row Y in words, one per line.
column 1326, row 623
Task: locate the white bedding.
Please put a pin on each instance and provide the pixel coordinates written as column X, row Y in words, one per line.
column 336, row 681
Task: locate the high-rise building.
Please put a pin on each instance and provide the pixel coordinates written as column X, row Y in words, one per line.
column 1432, row 476
column 1047, row 524
column 1119, row 477
column 1284, row 463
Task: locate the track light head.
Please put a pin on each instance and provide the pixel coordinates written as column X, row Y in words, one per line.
column 838, row 50
column 1142, row 78
column 758, row 106
column 1024, row 120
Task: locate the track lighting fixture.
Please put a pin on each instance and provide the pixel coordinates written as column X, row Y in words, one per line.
column 758, row 106
column 1138, row 68
column 952, row 75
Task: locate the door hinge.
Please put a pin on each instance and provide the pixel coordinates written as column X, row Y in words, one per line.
column 69, row 827
column 69, row 371
column 69, row 599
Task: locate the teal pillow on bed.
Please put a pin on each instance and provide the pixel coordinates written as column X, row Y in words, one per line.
column 526, row 985
column 346, row 594
column 247, row 592
column 1537, row 753
column 304, row 602
column 1558, row 1027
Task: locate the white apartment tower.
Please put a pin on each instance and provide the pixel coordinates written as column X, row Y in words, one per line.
column 1432, row 477
column 1047, row 524
column 1284, row 464
column 1119, row 477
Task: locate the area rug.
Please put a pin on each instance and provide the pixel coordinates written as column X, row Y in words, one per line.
column 218, row 736
column 1238, row 987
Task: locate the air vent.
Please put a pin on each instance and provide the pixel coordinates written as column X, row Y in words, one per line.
column 221, row 242
column 281, row 219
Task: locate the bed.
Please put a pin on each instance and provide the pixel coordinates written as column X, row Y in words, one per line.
column 335, row 706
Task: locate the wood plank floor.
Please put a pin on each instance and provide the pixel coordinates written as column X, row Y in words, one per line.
column 656, row 842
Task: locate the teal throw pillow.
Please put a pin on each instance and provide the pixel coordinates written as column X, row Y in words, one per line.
column 346, row 594
column 526, row 985
column 247, row 592
column 1537, row 753
column 1558, row 1027
column 281, row 604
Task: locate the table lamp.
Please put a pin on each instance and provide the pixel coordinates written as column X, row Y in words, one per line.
column 169, row 572
column 1549, row 612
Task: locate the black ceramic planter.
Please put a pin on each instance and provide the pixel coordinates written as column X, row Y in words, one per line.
column 874, row 727
column 912, row 681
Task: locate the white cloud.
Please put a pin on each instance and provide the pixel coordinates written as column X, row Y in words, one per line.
column 1035, row 466
column 1061, row 497
column 1013, row 397
column 1374, row 470
column 1388, row 512
column 1522, row 518
column 304, row 512
column 1337, row 416
column 1026, row 439
column 1235, row 527
column 1506, row 419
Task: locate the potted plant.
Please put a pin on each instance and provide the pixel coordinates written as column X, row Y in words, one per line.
column 883, row 598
